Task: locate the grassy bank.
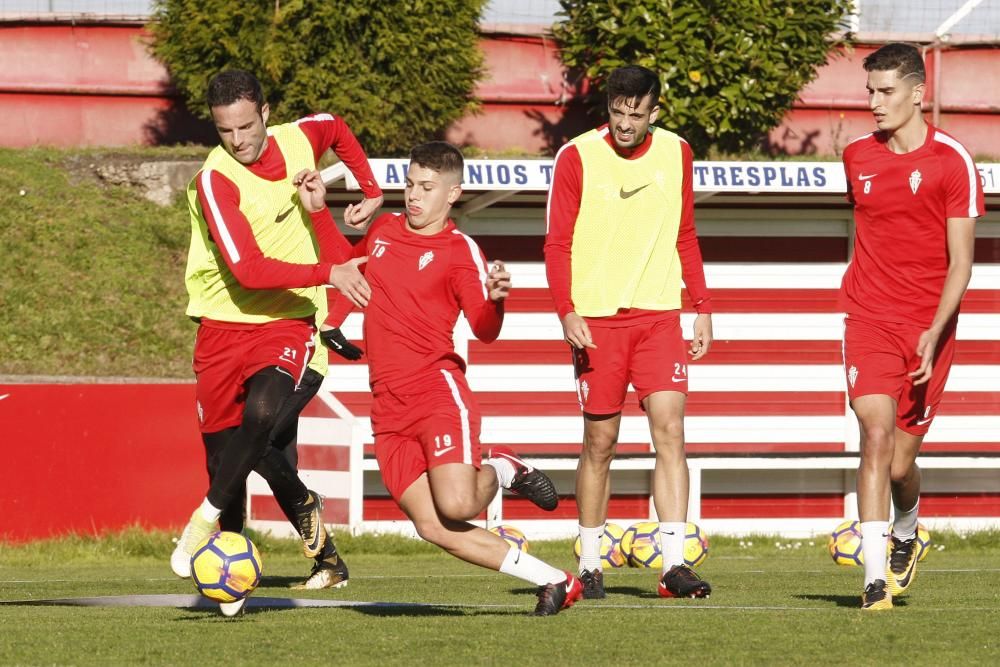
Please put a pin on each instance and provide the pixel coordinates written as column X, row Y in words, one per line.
column 91, row 274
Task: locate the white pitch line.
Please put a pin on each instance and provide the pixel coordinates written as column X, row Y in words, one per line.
column 615, row 573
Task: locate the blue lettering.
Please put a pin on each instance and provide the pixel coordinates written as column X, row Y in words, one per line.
column 390, row 174
column 475, row 172
column 547, row 173
column 700, row 172
column 819, row 176
column 736, row 175
column 803, row 179
column 770, row 173
column 718, row 176
column 753, row 176
column 785, row 179
column 520, row 174
column 503, row 174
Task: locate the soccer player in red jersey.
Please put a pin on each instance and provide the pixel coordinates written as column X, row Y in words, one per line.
column 620, row 238
column 423, row 271
column 256, row 259
column 916, row 196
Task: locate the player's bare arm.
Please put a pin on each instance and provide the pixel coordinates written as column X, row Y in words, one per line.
column 576, row 332
column 357, row 216
column 498, row 282
column 348, row 279
column 312, row 189
column 345, row 277
column 702, row 338
column 961, row 236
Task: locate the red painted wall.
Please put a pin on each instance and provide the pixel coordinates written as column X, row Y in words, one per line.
column 91, row 85
column 86, row 458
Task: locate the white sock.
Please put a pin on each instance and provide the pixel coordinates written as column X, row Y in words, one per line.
column 504, row 469
column 590, row 547
column 904, row 525
column 209, row 512
column 672, row 543
column 528, row 568
column 874, row 540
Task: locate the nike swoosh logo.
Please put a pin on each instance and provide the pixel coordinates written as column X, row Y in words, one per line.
column 668, row 532
column 381, row 242
column 921, row 422
column 4, row 396
column 679, row 379
column 626, row 194
column 284, row 214
column 863, row 177
column 442, row 452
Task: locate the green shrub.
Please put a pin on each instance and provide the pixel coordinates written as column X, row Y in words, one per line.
column 399, row 72
column 731, row 70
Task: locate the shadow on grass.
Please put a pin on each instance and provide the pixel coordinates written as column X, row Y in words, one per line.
column 845, row 600
column 631, row 591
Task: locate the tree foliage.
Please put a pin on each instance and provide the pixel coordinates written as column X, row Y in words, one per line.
column 398, row 72
column 730, row 69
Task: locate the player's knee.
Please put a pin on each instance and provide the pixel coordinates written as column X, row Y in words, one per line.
column 600, row 449
column 432, row 531
column 458, row 507
column 260, row 415
column 900, row 473
column 669, row 433
column 877, row 439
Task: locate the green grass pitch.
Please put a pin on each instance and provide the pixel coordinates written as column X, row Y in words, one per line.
column 774, row 602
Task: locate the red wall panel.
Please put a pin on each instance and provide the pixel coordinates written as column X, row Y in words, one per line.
column 81, row 458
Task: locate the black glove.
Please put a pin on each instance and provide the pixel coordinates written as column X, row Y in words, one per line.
column 334, row 339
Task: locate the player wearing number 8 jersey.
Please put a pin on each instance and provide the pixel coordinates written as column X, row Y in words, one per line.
column 423, row 272
column 916, row 195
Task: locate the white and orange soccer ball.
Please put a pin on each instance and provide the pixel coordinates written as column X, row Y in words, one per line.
column 641, row 545
column 611, row 546
column 226, row 567
column 512, row 536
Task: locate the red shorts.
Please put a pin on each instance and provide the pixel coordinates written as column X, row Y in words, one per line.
column 649, row 355
column 878, row 359
column 414, row 432
column 226, row 355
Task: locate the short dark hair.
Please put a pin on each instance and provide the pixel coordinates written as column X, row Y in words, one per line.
column 233, row 85
column 904, row 58
column 440, row 156
column 633, row 82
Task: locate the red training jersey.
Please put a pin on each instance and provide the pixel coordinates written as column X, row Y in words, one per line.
column 220, row 204
column 419, row 284
column 560, row 219
column 902, row 203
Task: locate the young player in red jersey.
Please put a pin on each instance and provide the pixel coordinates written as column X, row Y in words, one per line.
column 423, row 271
column 620, row 238
column 256, row 257
column 916, row 195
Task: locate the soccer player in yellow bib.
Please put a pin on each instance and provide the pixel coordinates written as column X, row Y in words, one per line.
column 620, row 237
column 257, row 257
column 329, row 569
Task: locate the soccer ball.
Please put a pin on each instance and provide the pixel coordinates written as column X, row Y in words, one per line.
column 923, row 541
column 512, row 536
column 226, row 567
column 695, row 545
column 641, row 545
column 844, row 544
column 611, row 548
